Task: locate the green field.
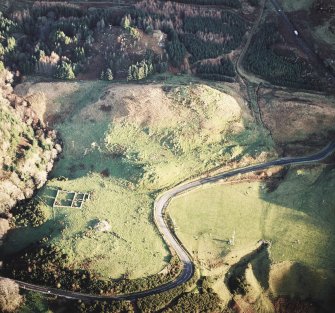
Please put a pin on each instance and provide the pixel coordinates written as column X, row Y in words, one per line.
column 298, row 218
column 124, row 154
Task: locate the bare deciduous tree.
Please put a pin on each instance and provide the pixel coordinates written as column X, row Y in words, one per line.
column 10, row 298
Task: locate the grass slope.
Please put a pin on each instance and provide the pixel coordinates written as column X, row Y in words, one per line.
column 298, row 218
column 123, row 143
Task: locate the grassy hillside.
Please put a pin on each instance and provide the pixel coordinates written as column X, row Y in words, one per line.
column 122, row 143
column 298, row 218
column 221, row 226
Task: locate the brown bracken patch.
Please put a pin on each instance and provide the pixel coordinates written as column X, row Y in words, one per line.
column 286, row 305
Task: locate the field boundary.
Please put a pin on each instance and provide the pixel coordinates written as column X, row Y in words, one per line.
column 77, row 199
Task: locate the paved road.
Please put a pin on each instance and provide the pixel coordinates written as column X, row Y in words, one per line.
column 239, row 68
column 173, row 243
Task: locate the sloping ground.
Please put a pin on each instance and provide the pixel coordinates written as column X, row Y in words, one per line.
column 149, row 126
column 315, row 21
column 117, row 41
column 27, row 149
column 123, row 142
column 293, row 288
column 294, row 117
column 298, row 281
column 221, row 225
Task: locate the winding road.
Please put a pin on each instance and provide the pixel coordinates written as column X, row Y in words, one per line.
column 162, row 202
column 175, row 246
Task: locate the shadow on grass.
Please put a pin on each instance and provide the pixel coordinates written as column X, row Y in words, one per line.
column 313, row 196
column 47, row 195
column 260, row 261
column 22, row 237
column 309, row 193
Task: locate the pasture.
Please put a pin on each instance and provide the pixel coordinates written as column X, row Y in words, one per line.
column 123, row 144
column 297, row 218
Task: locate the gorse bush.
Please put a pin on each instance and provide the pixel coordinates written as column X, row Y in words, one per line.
column 30, row 214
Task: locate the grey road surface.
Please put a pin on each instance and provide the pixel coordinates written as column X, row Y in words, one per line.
column 173, row 242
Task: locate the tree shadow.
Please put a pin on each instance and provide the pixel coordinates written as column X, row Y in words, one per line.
column 300, row 281
column 307, row 194
column 260, row 261
column 19, row 238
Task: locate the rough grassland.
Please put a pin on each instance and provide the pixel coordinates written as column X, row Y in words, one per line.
column 293, row 116
column 122, row 143
column 323, row 33
column 296, row 5
column 298, row 218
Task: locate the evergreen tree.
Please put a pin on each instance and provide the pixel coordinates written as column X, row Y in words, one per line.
column 11, row 43
column 64, row 70
column 109, row 75
column 140, row 70
column 126, row 21
column 79, row 54
column 176, row 51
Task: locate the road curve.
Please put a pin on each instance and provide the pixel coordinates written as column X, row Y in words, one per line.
column 173, row 243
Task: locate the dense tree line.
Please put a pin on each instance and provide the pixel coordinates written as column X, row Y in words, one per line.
column 236, row 4
column 224, row 67
column 179, row 300
column 56, row 9
column 101, row 306
column 175, row 49
column 261, row 59
column 159, row 301
column 217, row 77
column 107, row 75
column 51, row 28
column 7, row 41
column 223, row 71
column 200, row 49
column 140, row 70
column 203, row 34
column 196, row 302
column 64, row 70
column 230, row 26
column 229, row 23
column 254, row 3
column 58, row 37
column 47, row 264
